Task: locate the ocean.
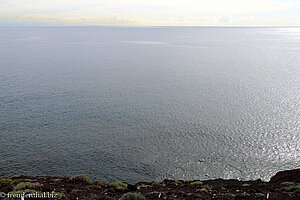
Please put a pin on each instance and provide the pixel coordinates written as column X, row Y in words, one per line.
column 149, row 103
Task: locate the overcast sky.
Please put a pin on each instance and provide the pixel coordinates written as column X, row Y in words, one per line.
column 151, row 12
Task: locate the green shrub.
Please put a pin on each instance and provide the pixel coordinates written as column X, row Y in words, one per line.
column 190, row 180
column 291, row 188
column 81, row 178
column 288, row 188
column 245, row 194
column 119, row 185
column 246, row 185
column 208, row 187
column 158, row 184
column 145, row 185
column 27, row 180
column 132, row 196
column 287, row 183
column 100, row 183
column 196, row 183
column 178, row 182
column 24, row 185
column 297, row 189
column 41, row 177
column 5, row 182
column 19, row 176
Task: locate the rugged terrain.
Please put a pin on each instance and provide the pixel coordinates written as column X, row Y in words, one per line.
column 284, row 185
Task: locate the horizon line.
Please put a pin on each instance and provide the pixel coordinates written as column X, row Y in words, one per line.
column 150, row 26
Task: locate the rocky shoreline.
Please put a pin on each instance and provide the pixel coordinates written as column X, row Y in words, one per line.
column 285, row 185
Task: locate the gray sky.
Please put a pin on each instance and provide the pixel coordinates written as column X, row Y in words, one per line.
column 151, row 12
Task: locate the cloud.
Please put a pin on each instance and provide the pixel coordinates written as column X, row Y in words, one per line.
column 224, row 18
column 84, row 20
column 145, row 12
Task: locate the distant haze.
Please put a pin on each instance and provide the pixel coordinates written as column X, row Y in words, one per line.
column 151, row 13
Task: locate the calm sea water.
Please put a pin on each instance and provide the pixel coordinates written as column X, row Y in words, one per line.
column 149, row 103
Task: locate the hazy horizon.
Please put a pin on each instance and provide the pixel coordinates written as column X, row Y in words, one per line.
column 230, row 13
column 146, row 26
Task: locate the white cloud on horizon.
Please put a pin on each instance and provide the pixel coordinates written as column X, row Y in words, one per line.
column 155, row 12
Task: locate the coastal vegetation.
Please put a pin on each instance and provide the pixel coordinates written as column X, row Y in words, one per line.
column 28, row 185
column 282, row 186
column 292, row 188
column 81, row 178
column 5, row 182
column 119, row 185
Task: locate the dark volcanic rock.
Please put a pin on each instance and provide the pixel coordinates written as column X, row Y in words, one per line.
column 289, row 175
column 219, row 189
